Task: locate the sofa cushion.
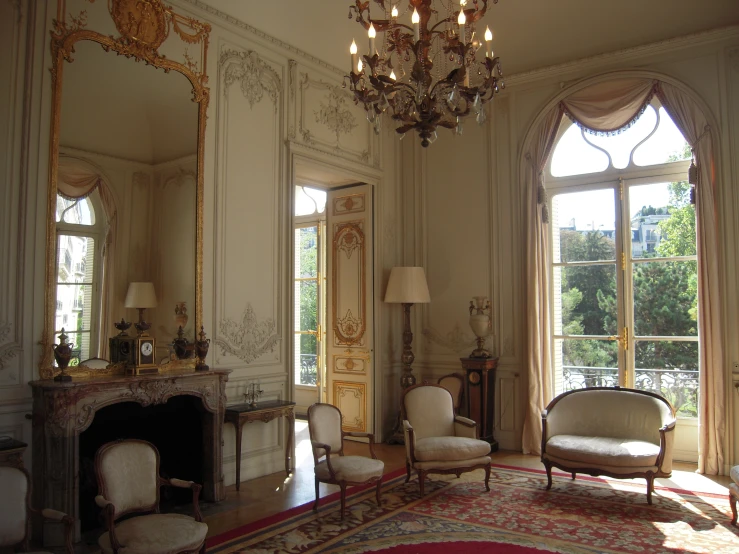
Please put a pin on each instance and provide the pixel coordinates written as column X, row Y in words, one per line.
column 449, row 449
column 599, row 451
column 735, row 474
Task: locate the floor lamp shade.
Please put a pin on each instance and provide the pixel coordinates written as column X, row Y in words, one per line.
column 407, row 285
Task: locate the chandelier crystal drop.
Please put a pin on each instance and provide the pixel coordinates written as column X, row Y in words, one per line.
column 422, row 66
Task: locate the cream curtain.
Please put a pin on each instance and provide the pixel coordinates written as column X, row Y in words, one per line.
column 606, row 108
column 78, row 179
column 537, row 283
column 694, row 126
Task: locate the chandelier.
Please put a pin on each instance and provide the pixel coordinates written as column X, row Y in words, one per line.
column 425, row 74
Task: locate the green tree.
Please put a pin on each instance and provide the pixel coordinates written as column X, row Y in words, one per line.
column 308, row 267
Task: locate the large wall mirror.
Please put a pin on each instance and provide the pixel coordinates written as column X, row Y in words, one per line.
column 126, row 182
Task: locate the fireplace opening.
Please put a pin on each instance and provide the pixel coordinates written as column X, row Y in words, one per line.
column 175, row 428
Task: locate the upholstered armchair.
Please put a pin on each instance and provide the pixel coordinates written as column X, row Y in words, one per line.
column 331, row 466
column 16, row 511
column 128, row 481
column 454, row 383
column 437, row 440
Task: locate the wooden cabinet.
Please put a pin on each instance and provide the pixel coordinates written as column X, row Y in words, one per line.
column 480, row 394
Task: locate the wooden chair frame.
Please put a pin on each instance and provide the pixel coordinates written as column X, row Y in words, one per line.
column 109, row 512
column 334, row 480
column 460, row 396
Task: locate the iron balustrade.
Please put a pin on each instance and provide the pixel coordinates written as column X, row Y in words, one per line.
column 679, row 386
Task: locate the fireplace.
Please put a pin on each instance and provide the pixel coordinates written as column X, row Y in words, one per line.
column 180, row 412
column 175, row 428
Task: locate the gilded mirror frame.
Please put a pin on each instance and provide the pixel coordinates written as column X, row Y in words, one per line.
column 143, row 26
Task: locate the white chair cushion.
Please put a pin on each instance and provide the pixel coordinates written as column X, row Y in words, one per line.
column 430, row 411
column 735, row 474
column 130, row 475
column 354, row 469
column 603, row 451
column 14, row 486
column 156, row 534
column 450, row 449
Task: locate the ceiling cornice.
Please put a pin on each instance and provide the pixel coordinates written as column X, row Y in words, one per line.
column 625, row 54
column 262, row 35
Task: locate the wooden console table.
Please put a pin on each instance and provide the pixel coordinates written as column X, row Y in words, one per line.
column 264, row 411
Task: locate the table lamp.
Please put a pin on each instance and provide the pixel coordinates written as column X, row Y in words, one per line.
column 141, row 296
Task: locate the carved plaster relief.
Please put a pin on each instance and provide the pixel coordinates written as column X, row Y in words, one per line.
column 327, row 120
column 8, row 350
column 255, row 77
column 248, row 339
column 455, row 340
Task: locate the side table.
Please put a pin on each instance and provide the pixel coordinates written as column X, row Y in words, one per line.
column 239, row 414
column 11, row 453
column 480, row 392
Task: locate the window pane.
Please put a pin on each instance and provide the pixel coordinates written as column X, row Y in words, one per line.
column 74, row 307
column 308, row 360
column 586, row 301
column 573, row 156
column 585, row 224
column 619, row 146
column 667, row 144
column 79, row 211
column 306, row 247
column 669, row 368
column 665, row 299
column 319, row 197
column 75, row 260
column 307, row 305
column 587, row 363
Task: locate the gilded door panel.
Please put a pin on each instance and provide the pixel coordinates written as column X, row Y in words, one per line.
column 349, row 344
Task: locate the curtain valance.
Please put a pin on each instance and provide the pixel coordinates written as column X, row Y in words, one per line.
column 75, row 180
column 610, row 107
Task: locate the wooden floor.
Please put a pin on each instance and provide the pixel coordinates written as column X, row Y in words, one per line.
column 275, row 493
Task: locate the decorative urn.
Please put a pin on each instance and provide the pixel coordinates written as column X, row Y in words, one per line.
column 201, row 350
column 480, row 323
column 62, row 355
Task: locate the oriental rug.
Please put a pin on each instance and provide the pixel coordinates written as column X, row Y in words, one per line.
column 518, row 516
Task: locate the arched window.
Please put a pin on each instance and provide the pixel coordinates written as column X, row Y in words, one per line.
column 624, row 295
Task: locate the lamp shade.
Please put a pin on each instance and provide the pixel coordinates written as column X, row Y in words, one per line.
column 407, row 285
column 141, row 295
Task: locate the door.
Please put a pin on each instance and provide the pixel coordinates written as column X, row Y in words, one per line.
column 349, row 339
column 625, row 299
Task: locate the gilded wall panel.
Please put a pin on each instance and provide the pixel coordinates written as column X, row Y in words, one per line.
column 351, row 399
column 349, row 277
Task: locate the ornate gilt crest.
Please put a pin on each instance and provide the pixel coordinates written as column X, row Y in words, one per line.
column 140, row 21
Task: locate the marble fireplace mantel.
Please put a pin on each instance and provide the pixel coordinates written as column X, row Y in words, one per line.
column 63, row 410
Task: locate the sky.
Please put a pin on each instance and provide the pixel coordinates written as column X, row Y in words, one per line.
column 576, row 155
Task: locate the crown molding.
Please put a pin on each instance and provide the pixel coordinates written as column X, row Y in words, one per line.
column 262, row 35
column 626, row 54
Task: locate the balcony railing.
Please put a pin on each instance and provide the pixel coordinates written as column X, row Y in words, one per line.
column 679, row 386
column 308, row 369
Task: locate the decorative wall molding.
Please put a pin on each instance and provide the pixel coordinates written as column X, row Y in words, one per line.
column 261, row 34
column 248, row 339
column 8, row 350
column 591, row 63
column 255, row 76
column 455, row 340
column 334, row 115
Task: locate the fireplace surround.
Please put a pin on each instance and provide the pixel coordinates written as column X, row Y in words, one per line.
column 63, row 411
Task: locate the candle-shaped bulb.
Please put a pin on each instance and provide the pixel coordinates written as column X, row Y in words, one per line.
column 416, row 19
column 392, row 75
column 463, row 3
column 371, row 33
column 488, row 43
column 461, row 20
column 359, row 66
column 394, row 12
column 353, row 52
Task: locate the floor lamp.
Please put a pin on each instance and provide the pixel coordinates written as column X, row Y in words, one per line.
column 406, row 286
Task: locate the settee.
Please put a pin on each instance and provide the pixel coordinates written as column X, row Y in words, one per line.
column 612, row 431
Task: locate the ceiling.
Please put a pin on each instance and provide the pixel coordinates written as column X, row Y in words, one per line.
column 529, row 34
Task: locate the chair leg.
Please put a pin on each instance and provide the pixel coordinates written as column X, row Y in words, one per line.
column 421, row 479
column 548, row 467
column 202, row 549
column 407, row 472
column 487, row 477
column 732, row 501
column 573, row 475
column 343, row 498
column 377, row 492
column 315, row 504
column 650, row 487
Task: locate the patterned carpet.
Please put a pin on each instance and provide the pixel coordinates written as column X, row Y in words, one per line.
column 517, row 516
